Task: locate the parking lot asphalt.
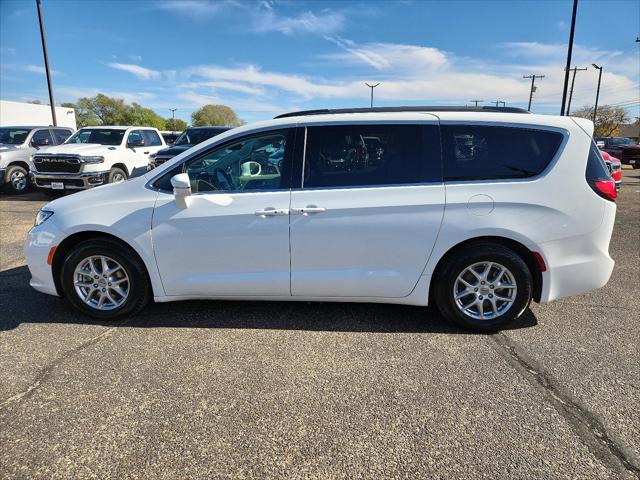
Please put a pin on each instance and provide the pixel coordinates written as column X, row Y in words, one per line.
column 301, row 390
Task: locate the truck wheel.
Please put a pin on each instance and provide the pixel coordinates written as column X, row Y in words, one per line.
column 17, row 179
column 117, row 175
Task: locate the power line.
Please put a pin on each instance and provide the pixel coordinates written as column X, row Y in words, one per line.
column 533, row 88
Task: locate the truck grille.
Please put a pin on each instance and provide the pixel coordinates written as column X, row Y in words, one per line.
column 57, row 163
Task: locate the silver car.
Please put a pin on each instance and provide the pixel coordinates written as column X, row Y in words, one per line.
column 17, row 144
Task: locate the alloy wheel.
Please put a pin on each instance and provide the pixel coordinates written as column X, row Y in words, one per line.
column 101, row 282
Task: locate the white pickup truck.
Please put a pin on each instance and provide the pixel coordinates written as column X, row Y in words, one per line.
column 96, row 155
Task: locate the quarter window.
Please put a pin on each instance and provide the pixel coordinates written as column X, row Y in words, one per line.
column 369, row 155
column 251, row 164
column 473, row 152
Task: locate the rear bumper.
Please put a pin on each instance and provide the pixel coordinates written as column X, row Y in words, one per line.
column 578, row 264
column 71, row 181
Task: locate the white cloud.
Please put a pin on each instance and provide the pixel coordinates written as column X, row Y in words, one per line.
column 325, row 22
column 70, row 93
column 137, row 70
column 389, row 56
column 196, row 8
column 39, row 70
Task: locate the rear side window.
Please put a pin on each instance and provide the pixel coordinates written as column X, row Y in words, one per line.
column 474, row 152
column 61, row 134
column 368, row 155
column 596, row 166
column 151, row 138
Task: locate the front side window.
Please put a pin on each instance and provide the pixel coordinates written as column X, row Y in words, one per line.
column 367, row 155
column 135, row 138
column 151, row 138
column 13, row 136
column 474, row 152
column 100, row 136
column 250, row 164
column 42, row 137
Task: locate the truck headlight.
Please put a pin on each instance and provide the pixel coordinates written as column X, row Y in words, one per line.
column 42, row 216
column 92, row 159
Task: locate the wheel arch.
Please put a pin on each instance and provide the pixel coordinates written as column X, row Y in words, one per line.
column 19, row 163
column 122, row 167
column 74, row 239
column 524, row 252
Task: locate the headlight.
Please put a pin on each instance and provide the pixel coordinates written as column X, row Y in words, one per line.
column 92, row 159
column 42, row 216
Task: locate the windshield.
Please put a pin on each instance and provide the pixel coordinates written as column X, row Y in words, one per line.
column 102, row 136
column 621, row 141
column 193, row 136
column 13, row 136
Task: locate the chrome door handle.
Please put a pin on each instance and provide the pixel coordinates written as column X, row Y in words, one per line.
column 308, row 210
column 272, row 212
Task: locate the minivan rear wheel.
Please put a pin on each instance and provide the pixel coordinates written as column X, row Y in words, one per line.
column 483, row 287
column 105, row 280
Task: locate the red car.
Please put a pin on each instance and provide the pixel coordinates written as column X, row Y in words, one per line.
column 623, row 148
column 615, row 167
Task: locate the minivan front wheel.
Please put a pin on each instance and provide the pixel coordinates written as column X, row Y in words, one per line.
column 101, row 278
column 483, row 287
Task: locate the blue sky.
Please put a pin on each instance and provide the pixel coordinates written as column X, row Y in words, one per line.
column 264, row 58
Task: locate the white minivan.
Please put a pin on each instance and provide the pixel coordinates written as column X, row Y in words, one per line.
column 477, row 211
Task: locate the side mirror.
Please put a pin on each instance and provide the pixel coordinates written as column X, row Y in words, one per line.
column 40, row 142
column 181, row 189
column 135, row 143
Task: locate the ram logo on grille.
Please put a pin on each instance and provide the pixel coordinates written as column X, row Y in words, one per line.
column 54, row 160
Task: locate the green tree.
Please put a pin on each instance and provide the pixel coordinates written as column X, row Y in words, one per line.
column 180, row 125
column 144, row 117
column 215, row 115
column 608, row 120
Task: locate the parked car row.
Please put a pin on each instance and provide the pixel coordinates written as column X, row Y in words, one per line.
column 625, row 149
column 476, row 211
column 57, row 159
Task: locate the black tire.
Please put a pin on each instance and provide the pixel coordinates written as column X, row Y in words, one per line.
column 475, row 253
column 17, row 179
column 139, row 287
column 115, row 173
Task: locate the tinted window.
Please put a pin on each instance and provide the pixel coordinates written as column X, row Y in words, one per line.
column 596, row 166
column 42, row 135
column 102, row 136
column 61, row 134
column 249, row 164
column 135, row 137
column 13, row 136
column 151, row 138
column 356, row 155
column 472, row 152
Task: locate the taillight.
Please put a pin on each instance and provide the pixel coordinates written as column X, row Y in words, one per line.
column 617, row 175
column 606, row 189
column 598, row 176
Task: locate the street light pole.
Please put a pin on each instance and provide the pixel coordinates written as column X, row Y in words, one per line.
column 476, row 102
column 372, row 87
column 569, row 52
column 173, row 119
column 595, row 107
column 46, row 63
column 498, row 102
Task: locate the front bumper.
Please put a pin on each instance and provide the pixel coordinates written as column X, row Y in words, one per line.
column 71, row 181
column 40, row 240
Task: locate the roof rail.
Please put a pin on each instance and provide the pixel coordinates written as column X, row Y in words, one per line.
column 437, row 108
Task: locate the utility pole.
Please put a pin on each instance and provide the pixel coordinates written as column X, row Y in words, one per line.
column 569, row 52
column 46, row 63
column 533, row 88
column 575, row 70
column 372, row 87
column 476, row 101
column 173, row 119
column 595, row 107
column 500, row 102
